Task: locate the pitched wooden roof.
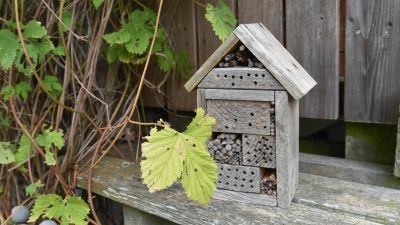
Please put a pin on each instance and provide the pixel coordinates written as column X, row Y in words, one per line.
column 276, row 59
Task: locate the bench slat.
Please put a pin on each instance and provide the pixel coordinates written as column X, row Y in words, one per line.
column 120, row 180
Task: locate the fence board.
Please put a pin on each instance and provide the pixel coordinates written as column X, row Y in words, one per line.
column 372, row 61
column 268, row 12
column 180, row 18
column 312, row 35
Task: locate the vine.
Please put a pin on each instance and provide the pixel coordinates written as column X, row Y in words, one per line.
column 57, row 113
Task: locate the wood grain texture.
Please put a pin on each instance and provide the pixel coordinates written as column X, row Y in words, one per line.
column 135, row 216
column 240, row 78
column 287, row 146
column 240, row 116
column 179, row 20
column 345, row 203
column 259, row 150
column 201, row 98
column 249, row 198
column 239, row 178
column 246, row 95
column 230, row 43
column 276, row 59
column 372, row 93
column 268, row 12
column 312, row 37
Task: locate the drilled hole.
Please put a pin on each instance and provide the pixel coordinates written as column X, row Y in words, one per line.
column 219, row 181
column 251, row 114
column 248, row 74
column 226, row 76
column 233, row 84
column 235, row 120
column 251, row 186
column 228, row 176
column 244, row 172
column 233, row 76
column 255, row 82
column 263, row 75
column 251, row 181
column 242, row 185
column 250, row 124
column 241, row 77
column 243, row 179
column 256, row 75
column 252, row 173
column 226, row 127
column 218, row 76
column 227, row 183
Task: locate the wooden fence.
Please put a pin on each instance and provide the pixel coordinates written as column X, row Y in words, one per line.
column 355, row 39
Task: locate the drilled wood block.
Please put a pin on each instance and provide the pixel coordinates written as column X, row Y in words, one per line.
column 259, row 150
column 239, row 178
column 240, row 78
column 250, row 117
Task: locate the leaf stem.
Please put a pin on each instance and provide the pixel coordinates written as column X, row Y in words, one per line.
column 198, row 3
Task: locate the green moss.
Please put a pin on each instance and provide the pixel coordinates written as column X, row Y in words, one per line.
column 371, row 142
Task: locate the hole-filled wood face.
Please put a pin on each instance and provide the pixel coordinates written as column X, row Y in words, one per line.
column 236, row 116
column 259, row 150
column 239, row 178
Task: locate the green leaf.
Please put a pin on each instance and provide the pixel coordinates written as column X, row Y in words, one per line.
column 31, row 189
column 22, row 64
column 184, row 66
column 67, row 20
column 72, row 210
column 42, row 47
column 6, row 155
column 7, row 92
column 22, row 151
column 163, row 62
column 97, row 3
column 222, row 19
column 8, row 48
column 120, row 37
column 4, row 122
column 33, row 29
column 22, row 88
column 60, row 51
column 46, row 140
column 52, row 85
column 169, row 154
column 14, row 24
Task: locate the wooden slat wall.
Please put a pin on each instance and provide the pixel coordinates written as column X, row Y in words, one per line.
column 312, row 37
column 372, row 61
column 268, row 12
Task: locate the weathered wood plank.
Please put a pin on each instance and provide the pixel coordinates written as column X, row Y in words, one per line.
column 239, row 178
column 397, row 157
column 275, row 58
column 121, row 181
column 201, row 98
column 349, row 170
column 312, row 37
column 372, row 55
column 287, row 146
column 376, row 204
column 230, row 43
column 245, row 95
column 135, row 216
column 249, row 198
column 268, row 12
column 240, row 78
column 259, row 150
column 240, row 116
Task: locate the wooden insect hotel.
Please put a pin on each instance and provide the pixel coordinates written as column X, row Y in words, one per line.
column 251, row 85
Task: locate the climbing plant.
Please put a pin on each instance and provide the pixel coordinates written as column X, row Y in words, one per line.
column 71, row 74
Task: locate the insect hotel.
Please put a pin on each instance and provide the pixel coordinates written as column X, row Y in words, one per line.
column 251, row 85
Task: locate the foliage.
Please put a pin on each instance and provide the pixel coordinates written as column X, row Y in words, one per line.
column 71, row 210
column 6, row 155
column 31, row 189
column 170, row 155
column 222, row 19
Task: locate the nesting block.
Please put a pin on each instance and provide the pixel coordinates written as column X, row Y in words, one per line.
column 226, row 148
column 239, row 178
column 259, row 150
column 240, row 116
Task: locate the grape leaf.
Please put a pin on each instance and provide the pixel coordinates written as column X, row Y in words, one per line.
column 120, row 37
column 170, row 155
column 22, row 64
column 6, row 155
column 72, row 210
column 42, row 48
column 8, row 48
column 52, row 84
column 14, row 24
column 7, row 92
column 22, row 88
column 163, row 62
column 31, row 189
column 97, row 3
column 66, row 19
column 4, row 120
column 22, row 151
column 60, row 51
column 33, row 29
column 221, row 18
column 46, row 140
column 184, row 66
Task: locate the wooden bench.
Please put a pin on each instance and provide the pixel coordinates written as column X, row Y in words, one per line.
column 318, row 200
